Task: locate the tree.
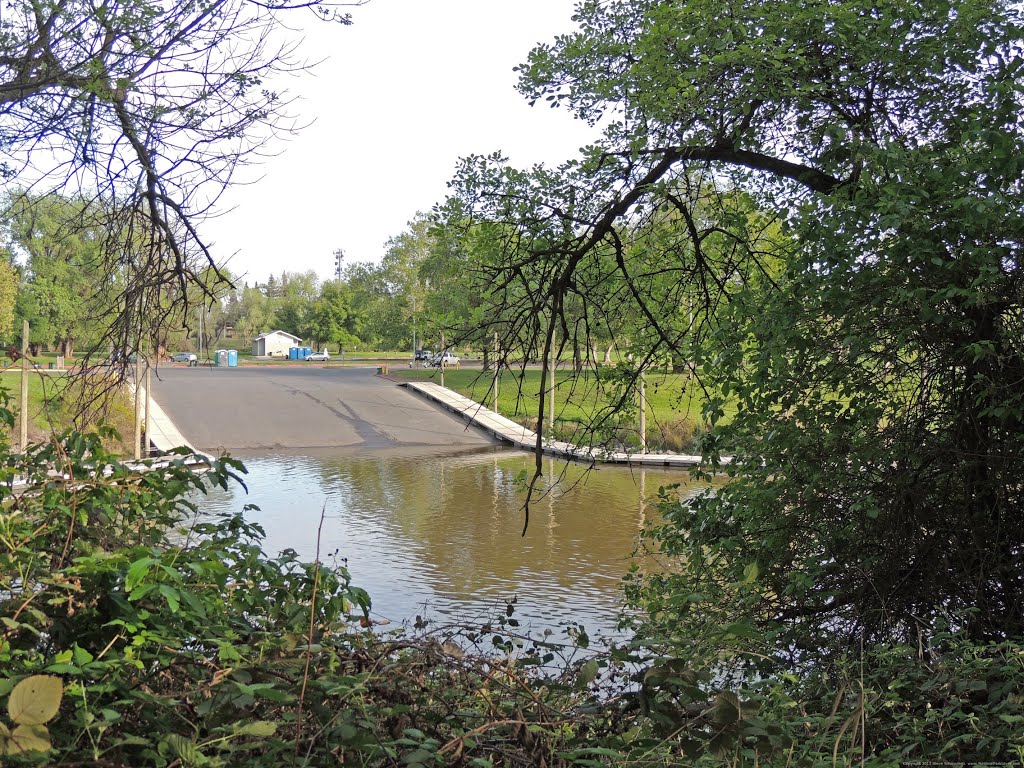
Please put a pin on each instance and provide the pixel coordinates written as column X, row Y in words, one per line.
column 144, row 110
column 63, row 293
column 255, row 313
column 331, row 319
column 297, row 292
column 873, row 353
column 8, row 296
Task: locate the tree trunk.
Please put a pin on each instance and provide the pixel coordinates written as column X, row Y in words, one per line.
column 608, row 354
column 487, row 358
column 34, row 348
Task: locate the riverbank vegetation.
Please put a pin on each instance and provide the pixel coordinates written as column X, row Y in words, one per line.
column 816, row 209
column 137, row 631
column 813, row 209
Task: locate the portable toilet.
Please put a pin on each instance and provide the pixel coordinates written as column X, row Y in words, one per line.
column 293, row 353
column 232, row 358
column 306, row 352
column 221, row 356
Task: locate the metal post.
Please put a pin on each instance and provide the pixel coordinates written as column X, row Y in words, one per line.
column 414, row 330
column 643, row 414
column 497, row 372
column 441, row 363
column 24, row 385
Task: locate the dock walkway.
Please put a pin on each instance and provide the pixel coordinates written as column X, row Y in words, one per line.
column 507, row 431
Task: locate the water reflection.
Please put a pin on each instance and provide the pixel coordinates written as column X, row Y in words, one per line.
column 440, row 535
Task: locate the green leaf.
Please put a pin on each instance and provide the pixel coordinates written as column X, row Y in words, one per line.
column 588, row 673
column 172, row 597
column 257, row 728
column 137, row 572
column 750, row 573
column 185, row 749
column 35, row 700
column 741, row 629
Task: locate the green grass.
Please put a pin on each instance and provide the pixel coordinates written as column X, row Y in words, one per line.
column 47, row 410
column 673, row 415
column 41, row 389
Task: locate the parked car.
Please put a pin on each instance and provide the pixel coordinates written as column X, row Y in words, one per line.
column 423, row 355
column 447, row 359
column 318, row 357
column 184, row 357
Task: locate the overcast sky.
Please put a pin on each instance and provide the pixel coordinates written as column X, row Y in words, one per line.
column 404, row 92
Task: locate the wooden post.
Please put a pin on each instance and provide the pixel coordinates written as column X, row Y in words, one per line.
column 149, row 383
column 138, row 397
column 24, row 385
column 497, row 372
column 643, row 414
column 643, row 496
column 552, row 362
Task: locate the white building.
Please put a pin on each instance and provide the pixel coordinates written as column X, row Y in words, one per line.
column 274, row 344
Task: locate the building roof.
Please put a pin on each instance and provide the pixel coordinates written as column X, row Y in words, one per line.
column 280, row 333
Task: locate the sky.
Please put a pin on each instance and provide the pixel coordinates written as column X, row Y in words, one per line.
column 402, row 93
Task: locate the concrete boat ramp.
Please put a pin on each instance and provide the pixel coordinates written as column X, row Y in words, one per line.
column 507, row 431
column 315, row 408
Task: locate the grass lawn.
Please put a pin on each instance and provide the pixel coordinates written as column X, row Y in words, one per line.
column 47, row 410
column 673, row 404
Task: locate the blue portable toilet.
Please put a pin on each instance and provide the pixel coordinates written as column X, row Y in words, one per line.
column 232, row 358
column 293, row 353
column 306, row 352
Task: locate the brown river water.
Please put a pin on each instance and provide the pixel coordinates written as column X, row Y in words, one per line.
column 439, row 535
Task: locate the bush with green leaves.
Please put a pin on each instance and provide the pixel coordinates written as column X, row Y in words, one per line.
column 174, row 634
column 174, row 640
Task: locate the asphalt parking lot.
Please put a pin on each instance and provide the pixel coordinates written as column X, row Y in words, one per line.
column 260, row 410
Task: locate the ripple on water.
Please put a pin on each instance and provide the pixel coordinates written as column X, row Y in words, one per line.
column 441, row 534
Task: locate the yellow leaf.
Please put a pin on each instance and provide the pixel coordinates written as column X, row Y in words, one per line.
column 35, row 700
column 28, row 738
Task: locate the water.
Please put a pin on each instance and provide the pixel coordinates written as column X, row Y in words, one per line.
column 439, row 536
